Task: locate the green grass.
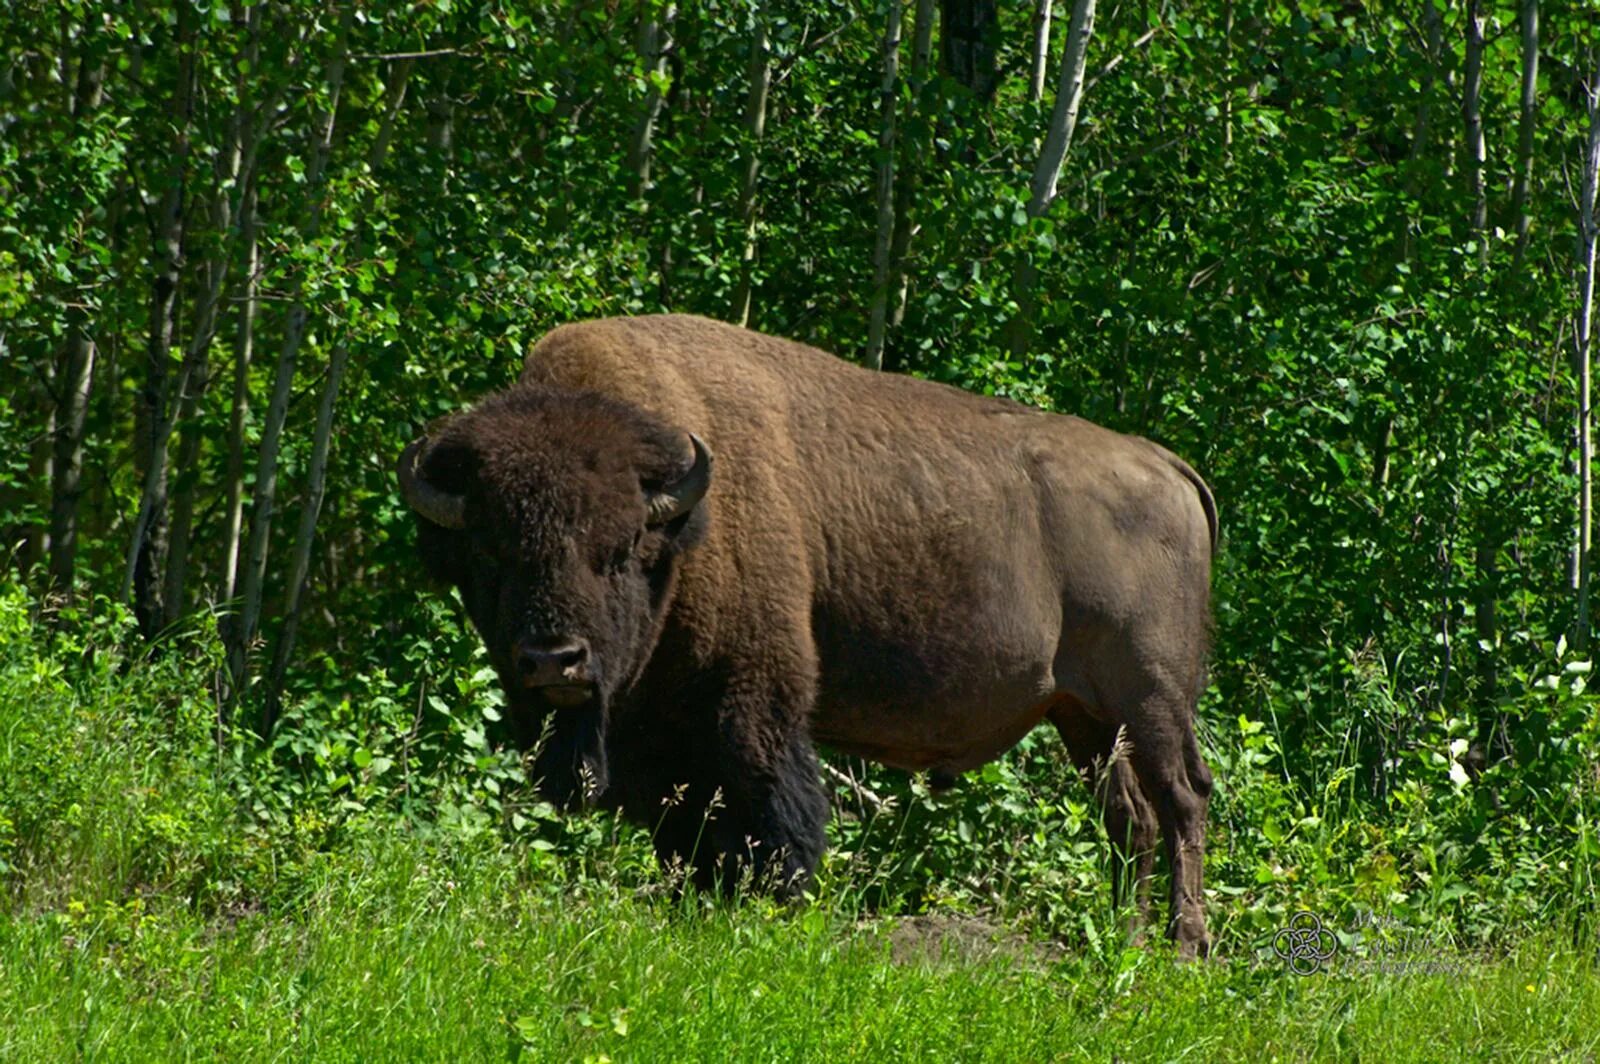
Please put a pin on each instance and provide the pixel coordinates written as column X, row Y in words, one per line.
column 166, row 896
column 399, row 951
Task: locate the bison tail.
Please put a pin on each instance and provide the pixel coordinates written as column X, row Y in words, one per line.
column 1208, row 501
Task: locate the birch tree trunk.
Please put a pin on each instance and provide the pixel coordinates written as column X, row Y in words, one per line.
column 185, row 391
column 305, row 536
column 36, row 547
column 755, row 124
column 1064, row 119
column 908, row 171
column 73, row 382
column 235, row 170
column 66, row 474
column 654, row 45
column 1527, row 111
column 881, row 246
column 1486, row 548
column 250, row 134
column 254, row 576
column 243, row 351
column 1047, row 172
column 1585, row 424
column 1471, row 109
column 1041, row 49
column 1227, row 79
column 147, row 546
column 317, row 471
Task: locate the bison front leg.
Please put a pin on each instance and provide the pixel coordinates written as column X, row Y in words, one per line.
column 772, row 828
column 745, row 806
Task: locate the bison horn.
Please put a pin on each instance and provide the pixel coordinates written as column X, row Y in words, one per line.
column 679, row 497
column 440, row 507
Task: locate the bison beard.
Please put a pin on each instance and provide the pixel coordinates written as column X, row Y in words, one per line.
column 892, row 567
column 570, row 767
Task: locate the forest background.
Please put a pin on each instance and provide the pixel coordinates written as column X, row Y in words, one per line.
column 1337, row 255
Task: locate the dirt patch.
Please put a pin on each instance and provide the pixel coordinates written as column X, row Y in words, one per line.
column 935, row 938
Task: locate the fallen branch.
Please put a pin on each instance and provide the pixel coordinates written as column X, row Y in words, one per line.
column 862, row 792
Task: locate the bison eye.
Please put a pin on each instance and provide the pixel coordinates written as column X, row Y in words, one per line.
column 623, row 555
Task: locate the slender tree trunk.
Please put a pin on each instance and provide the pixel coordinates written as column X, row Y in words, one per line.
column 1585, row 424
column 36, row 546
column 90, row 87
column 317, row 471
column 235, row 169
column 1486, row 549
column 1471, row 109
column 1527, row 112
column 1421, row 130
column 147, row 547
column 1041, row 50
column 441, row 122
column 250, row 131
column 1380, row 460
column 66, row 479
column 185, row 484
column 243, row 351
column 1227, row 78
column 183, row 401
column 70, row 386
column 253, row 579
column 1064, row 119
column 305, row 536
column 908, row 171
column 881, row 246
column 395, row 89
column 755, row 124
column 654, row 46
column 1047, row 172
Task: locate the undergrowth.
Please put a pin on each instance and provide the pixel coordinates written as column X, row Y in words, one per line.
column 385, row 849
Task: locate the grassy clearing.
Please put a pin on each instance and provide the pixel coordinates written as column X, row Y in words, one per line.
column 169, row 893
column 402, row 951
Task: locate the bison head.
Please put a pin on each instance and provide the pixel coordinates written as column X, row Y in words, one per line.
column 559, row 516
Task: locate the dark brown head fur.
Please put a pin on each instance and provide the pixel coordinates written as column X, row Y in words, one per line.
column 557, row 558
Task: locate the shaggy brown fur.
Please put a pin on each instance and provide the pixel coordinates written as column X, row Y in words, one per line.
column 892, row 567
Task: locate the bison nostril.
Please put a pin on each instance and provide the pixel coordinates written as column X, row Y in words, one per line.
column 547, row 662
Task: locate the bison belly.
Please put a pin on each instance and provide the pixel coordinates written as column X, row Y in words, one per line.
column 943, row 665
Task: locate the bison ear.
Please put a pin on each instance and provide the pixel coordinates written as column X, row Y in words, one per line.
column 676, row 497
column 434, row 478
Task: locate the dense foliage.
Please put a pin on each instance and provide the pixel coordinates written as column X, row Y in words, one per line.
column 248, row 251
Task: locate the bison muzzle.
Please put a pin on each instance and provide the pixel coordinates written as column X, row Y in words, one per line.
column 891, row 567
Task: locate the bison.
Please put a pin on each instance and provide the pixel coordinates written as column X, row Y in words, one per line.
column 694, row 551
